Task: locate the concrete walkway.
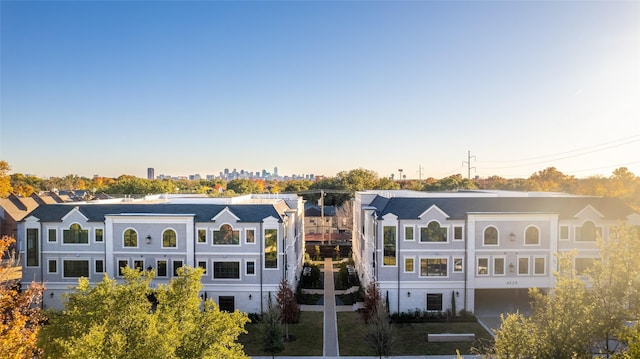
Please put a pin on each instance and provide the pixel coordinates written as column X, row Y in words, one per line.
column 330, row 348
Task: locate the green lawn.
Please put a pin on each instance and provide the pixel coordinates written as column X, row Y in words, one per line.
column 411, row 338
column 308, row 333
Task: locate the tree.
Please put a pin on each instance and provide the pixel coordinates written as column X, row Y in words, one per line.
column 20, row 314
column 379, row 332
column 287, row 305
column 551, row 180
column 271, row 329
column 5, row 183
column 118, row 320
column 371, row 300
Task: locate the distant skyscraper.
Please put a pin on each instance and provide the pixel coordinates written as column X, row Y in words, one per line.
column 275, row 171
column 150, row 173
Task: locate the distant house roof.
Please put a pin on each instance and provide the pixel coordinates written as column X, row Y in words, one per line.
column 459, row 207
column 202, row 212
column 312, row 210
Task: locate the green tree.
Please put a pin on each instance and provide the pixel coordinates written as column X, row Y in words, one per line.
column 244, row 186
column 271, row 330
column 112, row 320
column 551, row 180
column 515, row 338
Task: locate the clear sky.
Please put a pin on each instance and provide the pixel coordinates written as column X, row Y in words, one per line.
column 114, row 87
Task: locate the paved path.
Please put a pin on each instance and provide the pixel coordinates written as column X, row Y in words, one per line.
column 330, row 348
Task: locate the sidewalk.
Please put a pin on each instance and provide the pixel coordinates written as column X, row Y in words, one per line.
column 330, row 348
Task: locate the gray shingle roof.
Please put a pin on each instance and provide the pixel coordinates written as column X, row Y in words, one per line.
column 458, row 208
column 252, row 213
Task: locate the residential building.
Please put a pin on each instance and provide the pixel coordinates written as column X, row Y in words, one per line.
column 439, row 251
column 247, row 245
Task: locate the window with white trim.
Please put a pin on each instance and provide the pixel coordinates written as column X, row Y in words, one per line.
column 433, row 232
column 532, row 236
column 539, row 266
column 75, row 235
column 226, row 270
column 409, row 265
column 202, row 235
column 498, row 265
column 434, row 302
column 130, row 238
column 588, row 232
column 53, row 266
column 458, row 233
column 482, row 266
column 458, row 264
column 523, row 265
column 389, row 246
column 564, row 232
column 169, row 239
column 408, row 233
column 433, row 267
column 490, row 237
column 75, row 268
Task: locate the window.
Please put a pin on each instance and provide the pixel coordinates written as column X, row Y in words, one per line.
column 564, row 232
column 389, row 246
column 408, row 265
column 203, row 265
column 588, row 232
column 32, row 248
column 433, row 267
column 99, row 266
column 433, row 233
column 169, row 238
column 523, row 265
column 532, row 236
column 583, row 265
column 226, row 303
column 138, row 265
column 434, row 301
column 98, row 235
column 457, row 233
column 53, row 266
column 162, row 268
column 226, row 235
column 52, row 235
column 498, row 266
column 226, row 270
column 130, row 238
column 250, row 236
column 539, row 265
column 176, row 265
column 408, row 233
column 483, row 266
column 75, row 235
column 75, row 269
column 490, row 236
column 122, row 264
column 271, row 248
column 458, row 265
column 251, row 268
column 202, row 236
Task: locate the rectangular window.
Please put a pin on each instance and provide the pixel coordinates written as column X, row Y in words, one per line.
column 408, row 233
column 52, row 234
column 75, row 235
column 498, row 266
column 250, row 236
column 483, row 266
column 202, row 236
column 176, row 265
column 271, row 248
column 389, row 246
column 434, row 302
column 138, row 264
column 75, row 269
column 53, row 266
column 433, row 233
column 203, row 265
column 539, row 266
column 32, row 248
column 457, row 233
column 226, row 303
column 226, row 236
column 99, row 266
column 523, row 265
column 226, row 270
column 162, row 268
column 582, row 265
column 408, row 265
column 99, row 237
column 564, row 232
column 458, row 264
column 122, row 264
column 251, row 268
column 433, row 267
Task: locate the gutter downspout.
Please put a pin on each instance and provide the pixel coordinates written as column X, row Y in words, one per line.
column 261, row 236
column 466, row 272
column 398, row 262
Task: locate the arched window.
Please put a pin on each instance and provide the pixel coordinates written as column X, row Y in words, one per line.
column 532, row 236
column 75, row 235
column 130, row 238
column 490, row 236
column 588, row 232
column 433, row 232
column 169, row 238
column 226, row 235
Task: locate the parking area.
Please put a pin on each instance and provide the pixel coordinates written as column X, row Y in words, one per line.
column 491, row 303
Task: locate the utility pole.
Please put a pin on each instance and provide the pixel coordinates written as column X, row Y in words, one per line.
column 420, row 172
column 322, row 214
column 468, row 162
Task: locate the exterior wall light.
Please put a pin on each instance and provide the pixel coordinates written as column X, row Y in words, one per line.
column 512, row 236
column 408, row 294
column 148, row 239
column 249, row 296
column 512, row 267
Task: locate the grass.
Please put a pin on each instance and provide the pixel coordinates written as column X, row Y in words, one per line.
column 308, row 333
column 411, row 338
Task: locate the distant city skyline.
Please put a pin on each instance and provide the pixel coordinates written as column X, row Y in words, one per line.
column 115, row 87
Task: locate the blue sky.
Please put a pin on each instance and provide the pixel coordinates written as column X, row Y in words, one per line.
column 114, row 87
